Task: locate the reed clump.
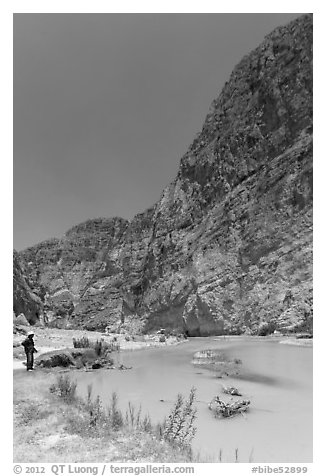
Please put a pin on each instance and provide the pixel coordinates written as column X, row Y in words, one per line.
column 101, row 346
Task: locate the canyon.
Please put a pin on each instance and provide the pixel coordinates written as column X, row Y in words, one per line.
column 227, row 249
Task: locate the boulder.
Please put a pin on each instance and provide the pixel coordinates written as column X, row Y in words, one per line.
column 20, row 320
column 55, row 358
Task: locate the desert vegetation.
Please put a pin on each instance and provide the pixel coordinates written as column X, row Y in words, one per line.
column 54, row 424
column 96, row 419
column 101, row 347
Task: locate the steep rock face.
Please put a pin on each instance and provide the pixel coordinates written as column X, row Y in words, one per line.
column 233, row 232
column 228, row 247
column 72, row 271
column 25, row 300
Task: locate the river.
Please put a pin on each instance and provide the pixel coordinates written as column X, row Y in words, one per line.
column 277, row 378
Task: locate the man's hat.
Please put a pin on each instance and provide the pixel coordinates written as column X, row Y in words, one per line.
column 31, row 333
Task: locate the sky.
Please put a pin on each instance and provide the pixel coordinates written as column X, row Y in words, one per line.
column 105, row 105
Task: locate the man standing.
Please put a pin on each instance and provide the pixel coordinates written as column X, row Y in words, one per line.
column 29, row 350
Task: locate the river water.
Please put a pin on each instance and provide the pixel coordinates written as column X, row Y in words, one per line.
column 277, row 378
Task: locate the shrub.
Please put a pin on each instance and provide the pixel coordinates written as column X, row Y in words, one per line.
column 89, row 417
column 134, row 419
column 100, row 346
column 179, row 428
column 266, row 328
column 94, row 409
column 81, row 343
column 115, row 418
column 64, row 388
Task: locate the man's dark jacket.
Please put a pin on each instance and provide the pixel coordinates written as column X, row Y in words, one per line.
column 29, row 345
column 29, row 351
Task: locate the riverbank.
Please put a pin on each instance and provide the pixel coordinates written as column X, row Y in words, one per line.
column 277, row 379
column 297, row 342
column 48, row 428
column 293, row 339
column 49, row 339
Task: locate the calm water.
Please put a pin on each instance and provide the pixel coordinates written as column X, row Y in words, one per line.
column 276, row 378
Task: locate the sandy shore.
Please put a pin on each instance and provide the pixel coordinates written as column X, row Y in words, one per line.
column 298, row 342
column 283, row 339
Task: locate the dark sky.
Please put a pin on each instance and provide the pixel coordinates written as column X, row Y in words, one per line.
column 105, row 105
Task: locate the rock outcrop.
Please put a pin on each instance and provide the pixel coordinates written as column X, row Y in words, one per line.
column 26, row 303
column 228, row 246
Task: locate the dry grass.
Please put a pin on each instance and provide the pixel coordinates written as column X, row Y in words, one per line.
column 50, row 429
column 43, row 429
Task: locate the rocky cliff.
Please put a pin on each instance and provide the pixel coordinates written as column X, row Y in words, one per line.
column 228, row 246
column 26, row 300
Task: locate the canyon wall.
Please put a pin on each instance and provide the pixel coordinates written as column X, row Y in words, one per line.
column 228, row 246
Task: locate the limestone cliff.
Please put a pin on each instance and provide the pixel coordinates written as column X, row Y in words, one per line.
column 228, row 246
column 25, row 301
